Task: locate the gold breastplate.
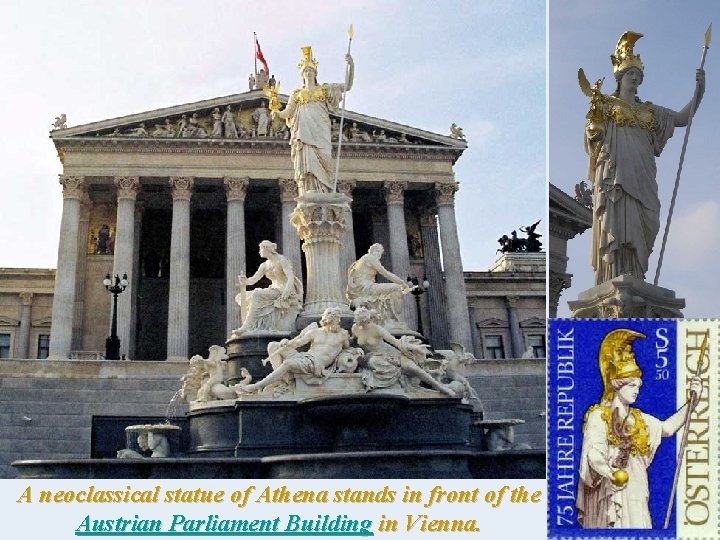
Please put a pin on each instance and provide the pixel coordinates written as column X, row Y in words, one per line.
column 626, row 114
column 307, row 95
column 635, row 433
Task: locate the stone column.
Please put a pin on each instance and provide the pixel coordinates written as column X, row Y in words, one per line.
column 22, row 341
column 124, row 259
column 290, row 240
column 179, row 296
column 136, row 280
column 347, row 249
column 320, row 222
column 64, row 295
column 516, row 340
column 236, row 190
column 399, row 253
column 437, row 306
column 458, row 315
column 380, row 233
column 79, row 309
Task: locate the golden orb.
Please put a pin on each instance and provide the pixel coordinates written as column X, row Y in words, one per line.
column 620, row 477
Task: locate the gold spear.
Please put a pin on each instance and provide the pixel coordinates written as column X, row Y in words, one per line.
column 350, row 34
column 708, row 34
column 692, row 402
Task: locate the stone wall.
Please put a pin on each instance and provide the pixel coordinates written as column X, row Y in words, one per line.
column 46, row 407
column 513, row 389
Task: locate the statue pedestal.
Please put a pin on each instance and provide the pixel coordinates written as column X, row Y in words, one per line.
column 247, row 352
column 625, row 297
column 319, row 219
column 520, row 262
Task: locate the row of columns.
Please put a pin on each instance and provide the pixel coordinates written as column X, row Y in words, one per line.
column 447, row 297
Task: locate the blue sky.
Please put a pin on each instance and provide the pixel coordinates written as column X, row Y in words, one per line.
column 480, row 64
column 584, row 34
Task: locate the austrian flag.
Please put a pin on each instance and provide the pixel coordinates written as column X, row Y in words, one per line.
column 259, row 55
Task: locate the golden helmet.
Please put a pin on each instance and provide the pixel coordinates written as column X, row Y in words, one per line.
column 617, row 360
column 624, row 57
column 307, row 59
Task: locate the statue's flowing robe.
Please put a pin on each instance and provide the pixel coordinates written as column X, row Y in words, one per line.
column 626, row 213
column 267, row 311
column 599, row 505
column 310, row 135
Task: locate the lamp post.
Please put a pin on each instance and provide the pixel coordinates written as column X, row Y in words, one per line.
column 114, row 286
column 418, row 288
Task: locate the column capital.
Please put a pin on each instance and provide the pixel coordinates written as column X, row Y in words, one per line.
column 26, row 298
column 512, row 301
column 288, row 189
column 181, row 187
column 73, row 186
column 346, row 187
column 236, row 187
column 127, row 187
column 395, row 192
column 445, row 193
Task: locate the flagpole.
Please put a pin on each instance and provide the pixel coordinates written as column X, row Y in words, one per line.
column 350, row 34
column 692, row 403
column 682, row 156
column 255, row 56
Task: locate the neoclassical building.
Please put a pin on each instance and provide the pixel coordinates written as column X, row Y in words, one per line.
column 179, row 198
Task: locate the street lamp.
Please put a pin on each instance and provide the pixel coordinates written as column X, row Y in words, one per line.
column 114, row 286
column 417, row 289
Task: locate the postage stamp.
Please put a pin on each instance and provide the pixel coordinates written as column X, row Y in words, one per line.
column 633, row 428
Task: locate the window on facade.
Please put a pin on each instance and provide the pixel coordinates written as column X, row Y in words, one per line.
column 43, row 346
column 4, row 345
column 538, row 345
column 494, row 346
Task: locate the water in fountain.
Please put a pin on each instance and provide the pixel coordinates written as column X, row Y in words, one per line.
column 172, row 407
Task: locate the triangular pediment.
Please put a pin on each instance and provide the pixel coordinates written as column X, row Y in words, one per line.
column 533, row 322
column 491, row 322
column 8, row 321
column 43, row 321
column 203, row 120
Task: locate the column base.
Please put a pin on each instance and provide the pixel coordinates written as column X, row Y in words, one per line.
column 626, row 297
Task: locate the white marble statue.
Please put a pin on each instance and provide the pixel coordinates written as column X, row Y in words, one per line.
column 262, row 121
column 60, row 122
column 385, row 298
column 158, row 444
column 308, row 116
column 213, row 387
column 388, row 360
column 275, row 308
column 456, row 132
column 623, row 136
column 455, row 361
column 229, row 124
column 193, row 379
column 251, row 82
column 217, row 123
column 150, row 438
column 325, row 342
column 358, row 135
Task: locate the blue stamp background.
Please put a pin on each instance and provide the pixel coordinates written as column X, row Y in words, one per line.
column 656, row 397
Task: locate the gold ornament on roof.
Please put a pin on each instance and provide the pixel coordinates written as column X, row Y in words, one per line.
column 272, row 93
column 617, row 360
column 307, row 60
column 624, row 57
